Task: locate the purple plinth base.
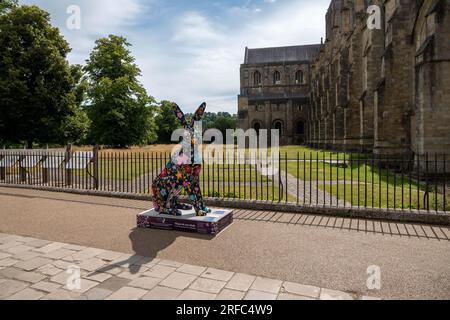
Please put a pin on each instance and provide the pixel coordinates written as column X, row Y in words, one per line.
column 212, row 224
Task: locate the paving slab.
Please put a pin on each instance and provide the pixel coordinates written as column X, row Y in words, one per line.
column 240, row 282
column 127, row 293
column 196, row 295
column 327, row 294
column 10, row 287
column 46, row 286
column 8, row 262
column 266, row 285
column 146, row 283
column 98, row 276
column 162, row 293
column 109, row 255
column 233, row 295
column 50, row 247
column 4, row 255
column 216, row 274
column 86, row 254
column 207, row 285
column 49, row 270
column 178, row 281
column 34, row 263
column 74, row 247
column 92, row 264
column 97, row 294
column 9, row 272
column 170, row 263
column 18, row 249
column 299, row 289
column 32, row 277
column 114, row 283
column 10, row 244
column 260, row 295
column 37, row 243
column 190, row 269
column 58, row 253
column 62, row 294
column 147, row 262
column 85, row 285
column 288, row 296
column 27, row 294
column 27, row 255
column 159, row 271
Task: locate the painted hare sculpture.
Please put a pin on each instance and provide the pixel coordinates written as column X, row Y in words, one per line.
column 177, row 175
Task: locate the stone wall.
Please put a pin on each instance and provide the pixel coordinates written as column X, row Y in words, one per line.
column 270, row 105
column 383, row 90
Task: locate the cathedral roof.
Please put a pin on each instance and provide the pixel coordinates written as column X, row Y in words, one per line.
column 282, row 54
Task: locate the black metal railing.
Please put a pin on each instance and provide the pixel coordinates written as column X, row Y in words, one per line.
column 314, row 178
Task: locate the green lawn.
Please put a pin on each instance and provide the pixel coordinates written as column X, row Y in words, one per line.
column 377, row 187
column 382, row 196
column 267, row 193
column 328, row 170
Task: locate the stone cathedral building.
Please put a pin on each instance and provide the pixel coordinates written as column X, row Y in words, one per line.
column 384, row 90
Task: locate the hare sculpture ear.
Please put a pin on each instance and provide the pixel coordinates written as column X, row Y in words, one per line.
column 198, row 115
column 179, row 114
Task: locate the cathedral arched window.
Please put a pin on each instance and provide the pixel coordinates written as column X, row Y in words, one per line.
column 257, row 78
column 299, row 77
column 277, row 77
column 257, row 126
column 278, row 125
column 300, row 128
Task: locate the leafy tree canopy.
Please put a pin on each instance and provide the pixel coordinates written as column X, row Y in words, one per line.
column 40, row 93
column 120, row 110
column 221, row 121
column 7, row 5
column 167, row 122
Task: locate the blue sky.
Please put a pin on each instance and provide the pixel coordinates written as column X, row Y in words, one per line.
column 189, row 51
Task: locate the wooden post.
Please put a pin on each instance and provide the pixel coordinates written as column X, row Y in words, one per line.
column 3, row 169
column 45, row 171
column 96, row 173
column 22, row 170
column 68, row 171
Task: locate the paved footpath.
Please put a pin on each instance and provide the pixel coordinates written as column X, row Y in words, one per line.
column 319, row 251
column 33, row 269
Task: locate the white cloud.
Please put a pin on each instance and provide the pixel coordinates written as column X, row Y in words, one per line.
column 195, row 29
column 187, row 53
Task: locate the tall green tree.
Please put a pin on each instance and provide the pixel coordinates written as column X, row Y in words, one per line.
column 167, row 122
column 40, row 93
column 224, row 123
column 7, row 5
column 120, row 110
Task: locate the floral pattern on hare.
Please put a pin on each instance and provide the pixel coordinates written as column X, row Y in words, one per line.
column 180, row 174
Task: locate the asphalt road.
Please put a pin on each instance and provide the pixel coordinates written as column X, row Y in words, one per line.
column 321, row 251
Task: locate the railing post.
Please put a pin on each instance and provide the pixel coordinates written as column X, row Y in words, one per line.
column 22, row 170
column 3, row 169
column 96, row 167
column 45, row 171
column 68, row 171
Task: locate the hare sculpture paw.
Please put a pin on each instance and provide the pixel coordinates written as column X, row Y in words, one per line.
column 184, row 206
column 201, row 213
